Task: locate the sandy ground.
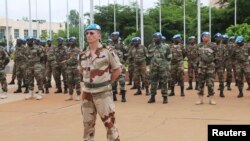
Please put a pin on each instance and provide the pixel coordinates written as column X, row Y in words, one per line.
column 53, row 119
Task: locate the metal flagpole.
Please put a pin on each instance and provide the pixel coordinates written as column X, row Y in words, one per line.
column 137, row 23
column 50, row 32
column 91, row 11
column 160, row 16
column 235, row 12
column 210, row 18
column 67, row 18
column 184, row 22
column 7, row 25
column 81, row 23
column 37, row 23
column 30, row 28
column 198, row 21
column 142, row 24
column 114, row 15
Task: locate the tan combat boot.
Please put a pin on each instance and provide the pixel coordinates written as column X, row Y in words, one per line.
column 200, row 100
column 211, row 100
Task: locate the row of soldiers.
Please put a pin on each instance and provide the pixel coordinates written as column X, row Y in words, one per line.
column 166, row 64
column 34, row 60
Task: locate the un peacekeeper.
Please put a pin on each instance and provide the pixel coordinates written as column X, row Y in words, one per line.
column 241, row 55
column 50, row 62
column 21, row 61
column 60, row 69
column 232, row 44
column 120, row 50
column 220, row 60
column 159, row 55
column 206, row 71
column 139, row 55
column 72, row 70
column 228, row 64
column 101, row 67
column 35, row 56
column 130, row 62
column 177, row 70
column 192, row 55
column 4, row 60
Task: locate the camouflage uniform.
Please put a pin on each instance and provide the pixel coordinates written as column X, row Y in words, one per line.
column 229, row 64
column 138, row 56
column 160, row 56
column 131, row 68
column 35, row 56
column 120, row 50
column 72, row 71
column 97, row 93
column 50, row 64
column 192, row 55
column 60, row 69
column 13, row 77
column 220, row 57
column 177, row 70
column 241, row 55
column 206, row 71
column 4, row 60
column 21, row 67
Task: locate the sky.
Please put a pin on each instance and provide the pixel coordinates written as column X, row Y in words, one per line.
column 17, row 9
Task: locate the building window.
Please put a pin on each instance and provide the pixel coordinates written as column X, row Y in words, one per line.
column 26, row 33
column 2, row 33
column 35, row 33
column 16, row 33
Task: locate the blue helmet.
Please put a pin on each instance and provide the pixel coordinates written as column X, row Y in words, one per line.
column 59, row 39
column 232, row 38
column 19, row 40
column 239, row 39
column 72, row 39
column 163, row 38
column 225, row 36
column 136, row 39
column 29, row 38
column 205, row 33
column 176, row 36
column 93, row 26
column 157, row 34
column 217, row 35
column 48, row 40
column 191, row 37
column 115, row 34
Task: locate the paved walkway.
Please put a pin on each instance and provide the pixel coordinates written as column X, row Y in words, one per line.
column 53, row 119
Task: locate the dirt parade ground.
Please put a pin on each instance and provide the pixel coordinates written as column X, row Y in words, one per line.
column 53, row 119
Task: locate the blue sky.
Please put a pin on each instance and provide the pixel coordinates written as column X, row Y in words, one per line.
column 19, row 8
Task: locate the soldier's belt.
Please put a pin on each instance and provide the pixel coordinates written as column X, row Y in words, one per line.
column 96, row 85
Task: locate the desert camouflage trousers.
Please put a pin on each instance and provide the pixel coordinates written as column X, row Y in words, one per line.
column 101, row 103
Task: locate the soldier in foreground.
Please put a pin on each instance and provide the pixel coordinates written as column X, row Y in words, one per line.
column 4, row 60
column 101, row 67
column 159, row 55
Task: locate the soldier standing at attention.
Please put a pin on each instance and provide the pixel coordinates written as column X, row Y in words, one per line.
column 177, row 70
column 192, row 55
column 159, row 55
column 241, row 54
column 229, row 67
column 21, row 66
column 101, row 67
column 50, row 63
column 206, row 71
column 220, row 60
column 120, row 50
column 73, row 73
column 4, row 60
column 35, row 56
column 130, row 63
column 60, row 69
column 138, row 55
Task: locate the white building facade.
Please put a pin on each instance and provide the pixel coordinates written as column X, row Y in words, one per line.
column 20, row 28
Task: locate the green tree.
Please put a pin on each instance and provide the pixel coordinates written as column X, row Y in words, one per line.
column 242, row 29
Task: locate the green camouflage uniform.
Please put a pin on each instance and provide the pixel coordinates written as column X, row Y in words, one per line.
column 50, row 64
column 206, row 71
column 229, row 64
column 160, row 56
column 241, row 56
column 97, row 92
column 4, row 60
column 131, row 68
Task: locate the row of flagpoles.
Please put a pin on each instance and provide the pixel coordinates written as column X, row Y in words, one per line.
column 81, row 38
